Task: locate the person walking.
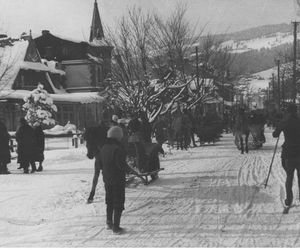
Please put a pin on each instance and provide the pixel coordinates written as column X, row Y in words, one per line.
column 25, row 137
column 146, row 129
column 113, row 161
column 159, row 128
column 290, row 155
column 5, row 156
column 40, row 146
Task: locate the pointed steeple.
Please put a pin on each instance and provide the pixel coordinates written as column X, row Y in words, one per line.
column 96, row 28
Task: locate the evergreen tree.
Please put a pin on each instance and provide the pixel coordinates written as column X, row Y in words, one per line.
column 39, row 107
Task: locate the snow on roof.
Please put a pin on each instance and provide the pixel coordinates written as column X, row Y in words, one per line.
column 64, row 38
column 52, row 66
column 37, row 66
column 95, row 59
column 95, row 42
column 85, row 97
column 99, row 42
column 11, row 58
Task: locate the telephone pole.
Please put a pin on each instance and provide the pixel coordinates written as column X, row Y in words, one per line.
column 197, row 66
column 278, row 81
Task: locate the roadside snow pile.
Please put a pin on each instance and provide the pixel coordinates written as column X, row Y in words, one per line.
column 61, row 130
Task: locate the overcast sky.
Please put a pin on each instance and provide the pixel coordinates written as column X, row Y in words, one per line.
column 72, row 18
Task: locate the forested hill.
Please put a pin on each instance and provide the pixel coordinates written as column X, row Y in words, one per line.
column 252, row 33
column 257, row 49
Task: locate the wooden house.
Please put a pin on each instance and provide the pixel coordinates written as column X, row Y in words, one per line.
column 71, row 71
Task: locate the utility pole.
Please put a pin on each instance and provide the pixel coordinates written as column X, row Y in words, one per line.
column 294, row 87
column 278, row 77
column 273, row 88
column 282, row 89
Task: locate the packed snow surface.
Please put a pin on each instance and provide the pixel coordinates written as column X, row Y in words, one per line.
column 210, row 196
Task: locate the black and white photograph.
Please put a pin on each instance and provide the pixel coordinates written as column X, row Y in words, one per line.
column 149, row 124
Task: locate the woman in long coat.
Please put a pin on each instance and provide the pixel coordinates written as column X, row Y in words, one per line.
column 25, row 137
column 40, row 147
column 4, row 149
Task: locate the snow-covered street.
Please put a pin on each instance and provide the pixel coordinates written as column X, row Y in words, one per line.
column 210, row 196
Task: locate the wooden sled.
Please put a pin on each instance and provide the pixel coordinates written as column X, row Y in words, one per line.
column 145, row 175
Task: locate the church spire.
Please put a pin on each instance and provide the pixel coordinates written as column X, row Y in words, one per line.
column 96, row 28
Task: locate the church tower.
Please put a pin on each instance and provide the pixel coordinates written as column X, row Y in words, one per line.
column 96, row 27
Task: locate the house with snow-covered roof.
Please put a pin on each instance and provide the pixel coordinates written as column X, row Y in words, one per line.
column 71, row 71
column 22, row 69
column 86, row 63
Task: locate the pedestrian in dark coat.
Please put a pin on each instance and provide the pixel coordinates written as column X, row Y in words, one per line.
column 113, row 161
column 4, row 149
column 40, row 146
column 25, row 137
column 159, row 128
column 146, row 128
column 290, row 156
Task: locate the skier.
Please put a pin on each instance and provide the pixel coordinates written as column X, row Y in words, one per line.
column 40, row 146
column 25, row 137
column 113, row 161
column 290, row 155
column 4, row 149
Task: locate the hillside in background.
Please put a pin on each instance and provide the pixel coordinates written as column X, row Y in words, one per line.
column 257, row 49
column 252, row 33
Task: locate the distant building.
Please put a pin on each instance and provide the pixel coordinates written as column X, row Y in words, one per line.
column 71, row 71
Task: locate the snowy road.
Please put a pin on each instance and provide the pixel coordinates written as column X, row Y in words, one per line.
column 209, row 196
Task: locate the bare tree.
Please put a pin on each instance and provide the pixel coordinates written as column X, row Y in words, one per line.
column 152, row 69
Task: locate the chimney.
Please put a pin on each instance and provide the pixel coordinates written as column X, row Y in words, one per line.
column 45, row 32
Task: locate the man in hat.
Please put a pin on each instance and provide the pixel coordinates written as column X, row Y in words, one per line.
column 113, row 161
column 290, row 156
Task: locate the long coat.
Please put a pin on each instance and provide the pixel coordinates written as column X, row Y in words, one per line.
column 40, row 143
column 25, row 137
column 113, row 161
column 4, row 145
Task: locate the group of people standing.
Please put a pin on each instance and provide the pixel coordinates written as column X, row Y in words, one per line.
column 30, row 147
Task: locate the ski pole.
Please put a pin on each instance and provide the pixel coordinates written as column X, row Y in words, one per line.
column 270, row 168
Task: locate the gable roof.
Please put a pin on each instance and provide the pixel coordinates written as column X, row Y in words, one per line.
column 11, row 59
column 15, row 57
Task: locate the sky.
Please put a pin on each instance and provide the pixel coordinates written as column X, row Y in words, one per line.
column 72, row 18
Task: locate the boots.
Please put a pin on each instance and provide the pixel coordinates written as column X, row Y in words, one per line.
column 109, row 219
column 33, row 167
column 40, row 168
column 116, row 225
